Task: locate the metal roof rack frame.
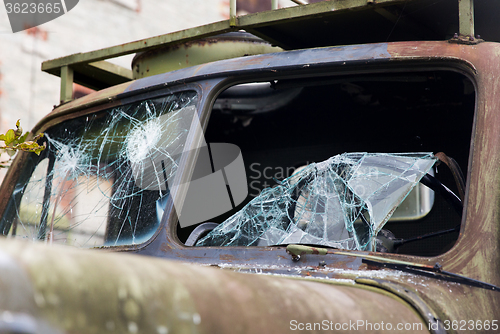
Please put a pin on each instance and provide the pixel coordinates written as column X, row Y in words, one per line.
column 91, row 69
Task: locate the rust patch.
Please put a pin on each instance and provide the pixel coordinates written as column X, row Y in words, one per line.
column 166, row 247
column 227, row 257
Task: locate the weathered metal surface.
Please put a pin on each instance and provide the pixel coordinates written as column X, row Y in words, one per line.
column 138, row 46
column 252, row 23
column 66, row 84
column 101, row 74
column 79, row 291
column 202, row 51
column 19, row 313
column 270, row 64
column 232, row 13
column 466, row 17
column 411, row 297
column 97, row 75
column 301, row 59
column 314, row 10
column 299, row 12
column 296, row 27
column 476, row 253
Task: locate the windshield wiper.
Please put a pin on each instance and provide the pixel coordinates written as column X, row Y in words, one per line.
column 435, row 271
column 296, row 251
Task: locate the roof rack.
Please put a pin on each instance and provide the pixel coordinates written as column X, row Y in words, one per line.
column 340, row 21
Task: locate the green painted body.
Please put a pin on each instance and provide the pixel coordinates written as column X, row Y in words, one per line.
column 120, row 293
column 171, row 58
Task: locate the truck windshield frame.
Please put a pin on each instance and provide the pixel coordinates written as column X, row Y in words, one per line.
column 361, row 86
column 212, row 85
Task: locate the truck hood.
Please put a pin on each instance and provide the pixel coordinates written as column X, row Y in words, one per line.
column 58, row 289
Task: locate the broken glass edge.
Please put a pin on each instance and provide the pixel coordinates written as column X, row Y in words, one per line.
column 86, row 152
column 325, row 203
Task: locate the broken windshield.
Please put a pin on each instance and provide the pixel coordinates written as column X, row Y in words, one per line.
column 98, row 182
column 342, row 202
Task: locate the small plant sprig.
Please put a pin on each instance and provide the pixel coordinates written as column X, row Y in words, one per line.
column 14, row 141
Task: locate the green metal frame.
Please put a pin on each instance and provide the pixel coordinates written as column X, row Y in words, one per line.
column 91, row 70
column 466, row 17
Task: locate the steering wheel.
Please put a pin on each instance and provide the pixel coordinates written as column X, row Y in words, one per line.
column 199, row 232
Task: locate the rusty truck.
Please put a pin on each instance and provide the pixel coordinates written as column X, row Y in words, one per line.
column 332, row 166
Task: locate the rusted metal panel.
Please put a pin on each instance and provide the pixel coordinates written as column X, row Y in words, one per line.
column 478, row 245
column 270, row 63
column 299, row 12
column 296, row 27
column 476, row 253
column 170, row 58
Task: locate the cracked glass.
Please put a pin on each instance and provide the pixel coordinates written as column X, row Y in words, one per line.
column 342, row 202
column 102, row 181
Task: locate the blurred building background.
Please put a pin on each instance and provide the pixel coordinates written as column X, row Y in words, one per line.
column 28, row 94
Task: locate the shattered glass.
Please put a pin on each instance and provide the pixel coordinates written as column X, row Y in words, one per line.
column 95, row 184
column 342, row 202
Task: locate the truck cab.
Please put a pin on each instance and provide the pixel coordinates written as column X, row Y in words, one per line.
column 311, row 172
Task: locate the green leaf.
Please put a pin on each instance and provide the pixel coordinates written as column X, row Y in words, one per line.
column 23, row 138
column 9, row 137
column 16, row 141
column 20, row 139
column 30, row 146
column 18, row 132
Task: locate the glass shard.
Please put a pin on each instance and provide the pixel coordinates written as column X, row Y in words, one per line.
column 342, row 202
column 103, row 178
